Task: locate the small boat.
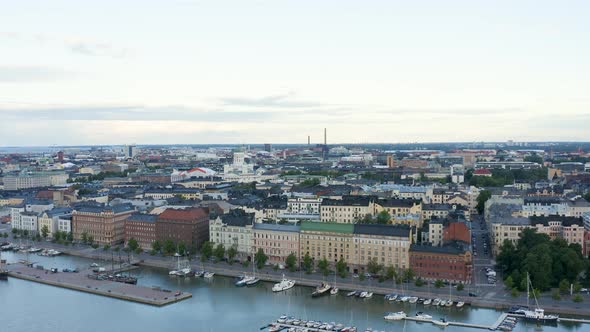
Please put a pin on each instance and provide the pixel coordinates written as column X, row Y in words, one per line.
column 275, row 328
column 243, row 281
column 395, row 315
column 443, row 303
column 441, row 322
column 413, row 299
column 391, row 297
column 436, row 302
column 208, row 275
column 421, row 300
column 283, row 285
column 368, row 295
column 362, row 295
column 253, row 282
column 422, row 316
column 405, row 299
column 460, row 304
column 199, row 273
column 349, row 294
column 94, row 265
column 333, row 291
column 282, row 319
column 322, row 289
column 449, row 303
column 427, row 301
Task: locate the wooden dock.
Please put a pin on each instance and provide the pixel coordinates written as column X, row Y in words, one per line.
column 81, row 282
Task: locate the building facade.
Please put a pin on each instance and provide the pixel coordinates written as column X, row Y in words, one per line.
column 451, row 263
column 142, row 228
column 277, row 241
column 189, row 226
column 106, row 224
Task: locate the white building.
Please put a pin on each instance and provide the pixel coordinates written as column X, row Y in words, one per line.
column 234, row 229
column 302, row 205
column 64, row 224
column 29, row 222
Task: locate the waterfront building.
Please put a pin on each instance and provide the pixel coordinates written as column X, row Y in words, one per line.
column 50, row 219
column 106, row 224
column 234, row 229
column 451, row 263
column 301, row 205
column 388, row 245
column 332, row 241
column 142, row 228
column 277, row 241
column 25, row 180
column 64, row 223
column 29, row 222
column 189, row 226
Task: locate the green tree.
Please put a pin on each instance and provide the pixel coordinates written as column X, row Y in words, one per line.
column 362, row 277
column 70, row 237
column 578, row 298
column 439, row 284
column 564, row 286
column 207, row 250
column 484, row 195
column 291, row 262
column 324, row 266
column 232, row 252
column 514, row 292
column 460, row 287
column 260, row 258
column 90, row 239
column 374, row 267
column 138, row 250
column 383, row 217
column 106, row 247
column 390, row 273
column 509, row 282
column 117, row 249
column 84, row 237
column 169, row 247
column 44, row 231
column 307, row 263
column 342, row 268
column 219, row 252
column 419, row 282
column 555, row 295
column 157, row 246
column 132, row 244
column 182, row 248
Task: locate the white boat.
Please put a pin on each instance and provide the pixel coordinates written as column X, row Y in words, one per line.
column 369, row 295
column 427, row 301
column 282, row 319
column 395, row 315
column 363, row 295
column 173, row 273
column 275, row 328
column 443, row 303
column 353, row 293
column 405, row 298
column 422, row 316
column 449, row 303
column 283, row 285
column 441, row 322
column 244, row 281
column 436, row 302
column 413, row 299
column 460, row 304
column 252, row 282
column 322, row 289
column 333, row 291
column 208, row 275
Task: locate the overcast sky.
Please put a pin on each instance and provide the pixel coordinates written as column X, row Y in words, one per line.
column 189, row 71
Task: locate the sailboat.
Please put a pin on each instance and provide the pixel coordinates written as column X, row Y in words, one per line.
column 537, row 315
column 3, row 272
column 450, row 301
column 334, row 289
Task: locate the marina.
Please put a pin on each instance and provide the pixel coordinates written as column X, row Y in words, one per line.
column 81, row 281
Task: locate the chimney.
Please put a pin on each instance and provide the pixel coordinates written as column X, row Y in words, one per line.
column 325, row 136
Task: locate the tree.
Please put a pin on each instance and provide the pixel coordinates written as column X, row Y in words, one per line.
column 14, row 231
column 484, row 195
column 70, row 237
column 439, row 284
column 564, row 286
column 206, row 250
column 324, row 266
column 117, row 249
column 182, row 248
column 460, row 287
column 342, row 268
column 219, row 252
column 578, row 298
column 157, row 246
column 44, row 231
column 232, row 252
column 419, row 282
column 138, row 250
column 106, row 247
column 291, row 262
column 390, row 273
column 514, row 292
column 509, row 282
column 374, row 267
column 260, row 258
column 90, row 239
column 84, row 237
column 132, row 244
column 383, row 217
column 169, row 247
column 307, row 263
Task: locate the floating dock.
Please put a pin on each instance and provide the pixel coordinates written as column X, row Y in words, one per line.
column 81, row 282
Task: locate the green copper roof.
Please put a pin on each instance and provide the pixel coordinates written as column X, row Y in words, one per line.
column 328, row 227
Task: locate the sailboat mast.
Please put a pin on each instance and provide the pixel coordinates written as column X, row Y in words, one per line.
column 528, row 285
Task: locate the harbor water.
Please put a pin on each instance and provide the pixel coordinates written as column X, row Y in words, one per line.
column 216, row 305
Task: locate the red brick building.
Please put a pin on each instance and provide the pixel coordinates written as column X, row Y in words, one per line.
column 142, row 228
column 105, row 224
column 452, row 263
column 456, row 231
column 188, row 226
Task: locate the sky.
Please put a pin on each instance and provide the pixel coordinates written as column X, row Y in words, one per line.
column 271, row 71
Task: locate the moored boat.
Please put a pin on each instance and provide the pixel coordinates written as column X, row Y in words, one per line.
column 395, row 315
column 322, row 289
column 283, row 285
column 440, row 322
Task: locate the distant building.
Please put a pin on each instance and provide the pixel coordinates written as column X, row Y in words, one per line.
column 277, row 241
column 26, row 180
column 234, row 229
column 130, row 151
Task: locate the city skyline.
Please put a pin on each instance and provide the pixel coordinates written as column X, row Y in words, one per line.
column 195, row 72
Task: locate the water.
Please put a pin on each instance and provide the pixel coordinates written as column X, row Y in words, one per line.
column 216, row 305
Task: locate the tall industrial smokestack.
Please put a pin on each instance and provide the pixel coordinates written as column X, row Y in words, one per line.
column 308, row 140
column 325, row 136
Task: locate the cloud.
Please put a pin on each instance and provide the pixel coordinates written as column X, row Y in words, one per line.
column 277, row 101
column 96, row 49
column 16, row 74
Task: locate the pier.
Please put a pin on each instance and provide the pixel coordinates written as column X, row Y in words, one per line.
column 81, row 282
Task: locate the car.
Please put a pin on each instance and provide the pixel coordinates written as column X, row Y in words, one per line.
column 472, row 294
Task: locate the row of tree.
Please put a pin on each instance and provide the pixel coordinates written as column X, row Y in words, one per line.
column 548, row 262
